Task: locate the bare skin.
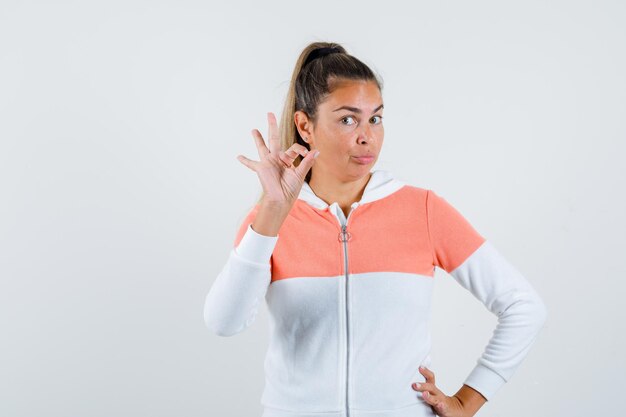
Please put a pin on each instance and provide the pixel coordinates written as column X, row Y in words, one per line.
column 281, row 181
column 465, row 403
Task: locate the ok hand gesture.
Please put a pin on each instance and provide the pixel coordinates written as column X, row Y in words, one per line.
column 281, row 181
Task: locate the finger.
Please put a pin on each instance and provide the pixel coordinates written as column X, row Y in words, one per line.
column 429, row 392
column 441, row 407
column 427, row 397
column 285, row 159
column 428, row 374
column 260, row 144
column 299, row 148
column 273, row 134
column 424, row 386
column 247, row 162
column 432, row 399
column 305, row 165
column 438, row 402
column 292, row 153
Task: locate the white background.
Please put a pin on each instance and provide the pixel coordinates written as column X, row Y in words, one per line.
column 120, row 192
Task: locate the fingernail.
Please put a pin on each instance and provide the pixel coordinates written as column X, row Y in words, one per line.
column 316, row 153
column 416, row 385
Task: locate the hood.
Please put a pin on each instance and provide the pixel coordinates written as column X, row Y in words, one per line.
column 381, row 184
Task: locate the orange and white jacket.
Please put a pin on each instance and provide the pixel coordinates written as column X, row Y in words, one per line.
column 349, row 300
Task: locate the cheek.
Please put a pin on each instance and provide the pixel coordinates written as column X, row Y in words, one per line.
column 339, row 144
column 346, row 148
column 331, row 147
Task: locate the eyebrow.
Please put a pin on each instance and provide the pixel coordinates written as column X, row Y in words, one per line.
column 357, row 110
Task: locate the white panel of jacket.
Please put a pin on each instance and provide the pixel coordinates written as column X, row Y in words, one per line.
column 350, row 300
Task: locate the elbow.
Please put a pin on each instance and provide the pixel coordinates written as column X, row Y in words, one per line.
column 217, row 319
column 216, row 323
column 218, row 328
column 529, row 307
column 225, row 314
column 224, row 324
column 536, row 311
column 223, row 332
column 224, row 328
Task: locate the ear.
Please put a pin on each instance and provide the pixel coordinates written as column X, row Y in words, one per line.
column 303, row 125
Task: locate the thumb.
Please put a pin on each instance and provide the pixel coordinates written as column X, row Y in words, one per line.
column 307, row 162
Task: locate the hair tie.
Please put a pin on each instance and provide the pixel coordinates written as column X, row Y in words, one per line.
column 320, row 52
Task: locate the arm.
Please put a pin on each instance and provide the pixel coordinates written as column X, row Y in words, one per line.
column 231, row 304
column 477, row 266
column 470, row 399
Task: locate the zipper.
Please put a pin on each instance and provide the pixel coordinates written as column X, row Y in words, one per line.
column 345, row 236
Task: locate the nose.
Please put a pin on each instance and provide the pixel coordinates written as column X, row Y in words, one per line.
column 365, row 134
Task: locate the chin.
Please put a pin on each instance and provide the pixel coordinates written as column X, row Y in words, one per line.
column 360, row 172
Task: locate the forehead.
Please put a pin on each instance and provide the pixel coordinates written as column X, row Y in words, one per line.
column 362, row 94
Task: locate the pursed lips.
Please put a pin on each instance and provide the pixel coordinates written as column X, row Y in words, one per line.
column 364, row 158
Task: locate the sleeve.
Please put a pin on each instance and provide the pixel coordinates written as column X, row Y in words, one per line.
column 231, row 304
column 480, row 268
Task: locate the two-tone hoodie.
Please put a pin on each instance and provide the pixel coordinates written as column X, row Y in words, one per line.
column 349, row 300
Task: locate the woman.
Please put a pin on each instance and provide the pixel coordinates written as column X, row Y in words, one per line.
column 345, row 257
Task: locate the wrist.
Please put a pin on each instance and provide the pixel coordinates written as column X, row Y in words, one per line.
column 278, row 206
column 470, row 399
column 270, row 217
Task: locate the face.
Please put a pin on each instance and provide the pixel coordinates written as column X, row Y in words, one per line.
column 349, row 125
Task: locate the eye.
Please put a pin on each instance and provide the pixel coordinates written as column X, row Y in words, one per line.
column 346, row 118
column 381, row 119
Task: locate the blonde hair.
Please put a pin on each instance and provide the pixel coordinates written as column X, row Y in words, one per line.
column 311, row 82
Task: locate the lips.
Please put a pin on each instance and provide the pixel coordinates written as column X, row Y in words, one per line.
column 364, row 159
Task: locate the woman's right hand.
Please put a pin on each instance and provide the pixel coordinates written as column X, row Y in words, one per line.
column 281, row 181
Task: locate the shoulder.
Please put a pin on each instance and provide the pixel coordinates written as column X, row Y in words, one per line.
column 432, row 203
column 413, row 194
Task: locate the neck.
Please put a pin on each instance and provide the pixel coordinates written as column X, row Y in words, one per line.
column 331, row 190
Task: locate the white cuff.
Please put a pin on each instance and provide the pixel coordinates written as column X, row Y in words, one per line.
column 256, row 247
column 485, row 381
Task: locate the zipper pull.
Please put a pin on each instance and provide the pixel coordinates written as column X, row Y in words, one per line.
column 344, row 235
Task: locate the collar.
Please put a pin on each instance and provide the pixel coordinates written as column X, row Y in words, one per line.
column 381, row 184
